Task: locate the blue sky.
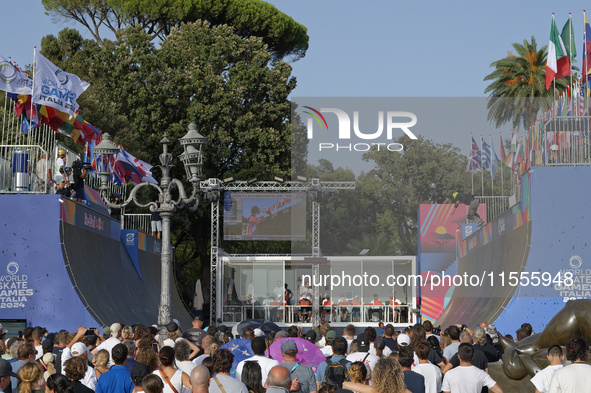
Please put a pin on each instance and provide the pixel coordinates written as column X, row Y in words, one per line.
column 376, row 48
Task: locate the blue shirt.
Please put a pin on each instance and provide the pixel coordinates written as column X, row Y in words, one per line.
column 322, row 367
column 116, row 380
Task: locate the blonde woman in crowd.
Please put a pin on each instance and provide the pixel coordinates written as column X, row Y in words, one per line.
column 101, row 361
column 30, row 378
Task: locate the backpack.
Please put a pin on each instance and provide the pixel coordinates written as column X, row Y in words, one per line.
column 336, row 373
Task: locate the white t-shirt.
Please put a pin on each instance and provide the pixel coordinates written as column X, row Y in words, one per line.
column 59, row 163
column 466, row 379
column 108, row 344
column 436, row 336
column 185, row 366
column 432, row 375
column 327, row 350
column 39, row 349
column 176, row 381
column 386, row 351
column 370, row 361
column 542, row 379
column 199, row 359
column 263, row 361
column 574, row 378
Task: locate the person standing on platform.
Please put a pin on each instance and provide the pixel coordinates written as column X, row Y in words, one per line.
column 156, row 222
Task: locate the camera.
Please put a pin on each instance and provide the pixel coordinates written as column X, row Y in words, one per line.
column 437, row 330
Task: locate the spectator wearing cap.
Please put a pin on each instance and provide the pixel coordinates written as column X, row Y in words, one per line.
column 311, row 336
column 118, row 378
column 196, row 333
column 47, row 346
column 138, row 372
column 403, row 339
column 109, row 344
column 258, row 346
column 6, row 375
column 259, row 332
column 48, row 363
column 363, row 355
column 372, row 335
column 76, row 348
column 339, row 347
column 328, row 350
column 302, row 372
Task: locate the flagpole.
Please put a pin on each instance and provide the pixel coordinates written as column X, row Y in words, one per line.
column 32, row 89
column 492, row 177
column 481, row 166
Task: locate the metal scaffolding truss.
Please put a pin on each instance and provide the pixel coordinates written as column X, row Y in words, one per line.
column 314, row 187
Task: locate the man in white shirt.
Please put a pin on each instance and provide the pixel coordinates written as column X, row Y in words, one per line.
column 109, row 343
column 575, row 377
column 362, row 354
column 466, row 378
column 543, row 377
column 431, row 372
column 258, row 347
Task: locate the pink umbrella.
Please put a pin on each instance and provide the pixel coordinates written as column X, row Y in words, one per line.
column 308, row 353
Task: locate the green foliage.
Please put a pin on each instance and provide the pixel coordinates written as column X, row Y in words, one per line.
column 400, row 182
column 518, row 87
column 283, row 36
column 203, row 74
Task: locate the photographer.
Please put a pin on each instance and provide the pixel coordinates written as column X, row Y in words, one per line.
column 80, row 171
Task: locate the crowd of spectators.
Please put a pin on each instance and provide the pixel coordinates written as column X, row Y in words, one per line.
column 126, row 359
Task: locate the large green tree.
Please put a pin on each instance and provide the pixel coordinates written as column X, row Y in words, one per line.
column 283, row 35
column 518, row 88
column 203, row 74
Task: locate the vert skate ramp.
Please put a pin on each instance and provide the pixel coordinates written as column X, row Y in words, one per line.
column 544, row 236
column 64, row 265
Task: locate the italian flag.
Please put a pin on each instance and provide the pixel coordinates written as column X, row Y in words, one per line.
column 557, row 64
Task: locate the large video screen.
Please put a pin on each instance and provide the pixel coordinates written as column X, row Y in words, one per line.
column 264, row 216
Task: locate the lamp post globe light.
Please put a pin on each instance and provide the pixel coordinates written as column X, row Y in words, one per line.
column 191, row 157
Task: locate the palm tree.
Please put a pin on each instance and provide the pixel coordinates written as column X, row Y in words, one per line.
column 518, row 88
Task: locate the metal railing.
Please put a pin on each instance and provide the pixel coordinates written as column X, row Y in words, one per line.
column 495, row 205
column 362, row 313
column 141, row 222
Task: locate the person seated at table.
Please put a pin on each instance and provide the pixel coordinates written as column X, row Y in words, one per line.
column 376, row 307
column 356, row 311
column 343, row 309
column 326, row 307
column 307, row 311
column 395, row 306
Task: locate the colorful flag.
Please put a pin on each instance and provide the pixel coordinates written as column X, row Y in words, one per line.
column 12, row 80
column 75, row 127
column 23, row 107
column 474, row 156
column 568, row 38
column 586, row 51
column 127, row 167
column 494, row 158
column 512, row 149
column 486, row 157
column 503, row 156
column 557, row 64
column 56, row 88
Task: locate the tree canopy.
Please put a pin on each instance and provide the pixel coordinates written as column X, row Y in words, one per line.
column 283, row 35
column 518, row 87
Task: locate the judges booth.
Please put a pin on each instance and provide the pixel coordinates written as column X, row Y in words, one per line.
column 350, row 289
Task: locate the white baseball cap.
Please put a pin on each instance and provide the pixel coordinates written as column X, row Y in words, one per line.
column 79, row 349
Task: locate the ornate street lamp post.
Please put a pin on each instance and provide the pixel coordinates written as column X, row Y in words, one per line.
column 192, row 158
